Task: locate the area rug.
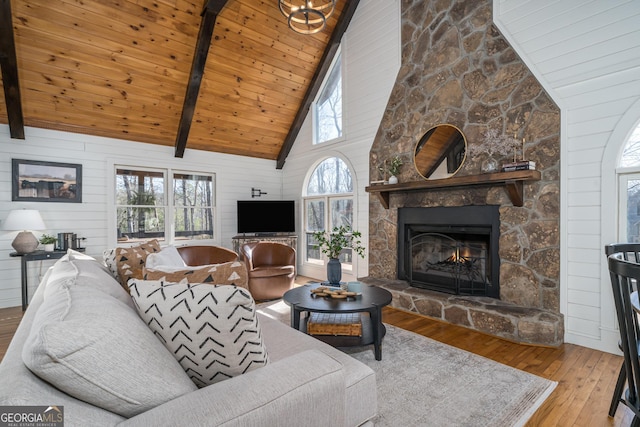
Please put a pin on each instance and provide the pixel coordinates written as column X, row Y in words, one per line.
column 422, row 382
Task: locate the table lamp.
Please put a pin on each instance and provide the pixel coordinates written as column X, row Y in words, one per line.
column 25, row 220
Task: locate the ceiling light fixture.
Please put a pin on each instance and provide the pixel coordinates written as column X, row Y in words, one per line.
column 306, row 18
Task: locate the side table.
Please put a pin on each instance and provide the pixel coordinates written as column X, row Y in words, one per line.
column 35, row 256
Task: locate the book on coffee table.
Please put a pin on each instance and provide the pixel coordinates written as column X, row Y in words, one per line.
column 348, row 324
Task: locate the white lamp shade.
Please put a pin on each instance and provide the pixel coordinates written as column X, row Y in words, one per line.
column 23, row 219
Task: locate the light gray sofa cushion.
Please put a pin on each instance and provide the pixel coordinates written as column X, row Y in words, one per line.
column 211, row 330
column 360, row 380
column 19, row 386
column 305, row 389
column 85, row 271
column 76, row 345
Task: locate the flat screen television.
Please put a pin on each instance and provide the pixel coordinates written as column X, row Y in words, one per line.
column 266, row 216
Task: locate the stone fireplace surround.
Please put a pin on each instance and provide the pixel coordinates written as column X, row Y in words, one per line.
column 458, row 69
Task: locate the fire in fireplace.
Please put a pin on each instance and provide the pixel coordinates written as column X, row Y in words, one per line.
column 450, row 249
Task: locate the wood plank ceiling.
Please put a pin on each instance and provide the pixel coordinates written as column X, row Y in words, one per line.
column 120, row 68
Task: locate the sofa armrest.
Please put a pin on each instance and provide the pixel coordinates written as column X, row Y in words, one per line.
column 307, row 388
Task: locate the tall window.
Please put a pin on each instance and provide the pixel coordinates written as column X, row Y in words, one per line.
column 328, row 107
column 328, row 203
column 193, row 206
column 629, row 184
column 146, row 209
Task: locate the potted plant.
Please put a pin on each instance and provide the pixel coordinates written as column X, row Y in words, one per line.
column 48, row 241
column 333, row 243
column 394, row 169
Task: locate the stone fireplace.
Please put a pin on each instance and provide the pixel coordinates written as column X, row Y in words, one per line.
column 458, row 69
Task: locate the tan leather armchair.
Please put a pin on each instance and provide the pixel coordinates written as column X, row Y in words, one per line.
column 271, row 267
column 205, row 255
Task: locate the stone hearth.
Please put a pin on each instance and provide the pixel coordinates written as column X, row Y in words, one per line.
column 489, row 315
column 458, row 69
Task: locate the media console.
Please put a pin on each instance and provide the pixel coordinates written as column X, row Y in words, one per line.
column 242, row 239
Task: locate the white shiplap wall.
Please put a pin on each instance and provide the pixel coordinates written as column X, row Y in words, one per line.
column 234, row 178
column 587, row 56
column 371, row 54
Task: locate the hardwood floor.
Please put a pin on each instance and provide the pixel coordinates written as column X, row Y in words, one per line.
column 9, row 320
column 585, row 377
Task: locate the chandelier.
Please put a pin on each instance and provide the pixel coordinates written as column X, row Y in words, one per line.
column 304, row 17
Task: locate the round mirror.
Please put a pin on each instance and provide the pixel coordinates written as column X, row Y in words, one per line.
column 440, row 152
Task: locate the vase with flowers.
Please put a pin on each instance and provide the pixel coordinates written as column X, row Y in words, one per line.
column 333, row 243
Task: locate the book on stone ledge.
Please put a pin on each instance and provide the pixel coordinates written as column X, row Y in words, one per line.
column 522, row 165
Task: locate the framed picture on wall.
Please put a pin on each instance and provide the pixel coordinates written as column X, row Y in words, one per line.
column 38, row 181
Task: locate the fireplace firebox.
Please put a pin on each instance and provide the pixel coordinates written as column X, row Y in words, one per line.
column 450, row 249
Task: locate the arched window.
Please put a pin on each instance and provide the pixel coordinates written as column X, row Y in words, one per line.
column 629, row 179
column 328, row 203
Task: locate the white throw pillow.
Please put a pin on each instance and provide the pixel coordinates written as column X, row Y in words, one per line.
column 168, row 257
column 212, row 330
column 94, row 347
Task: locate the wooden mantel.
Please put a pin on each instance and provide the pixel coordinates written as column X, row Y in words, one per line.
column 513, row 182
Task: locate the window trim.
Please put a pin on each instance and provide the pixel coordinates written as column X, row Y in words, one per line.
column 168, row 171
column 319, row 268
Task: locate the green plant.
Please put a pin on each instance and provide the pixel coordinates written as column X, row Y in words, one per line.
column 331, row 244
column 47, row 239
column 394, row 166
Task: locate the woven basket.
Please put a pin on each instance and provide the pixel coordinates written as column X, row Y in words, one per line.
column 348, row 324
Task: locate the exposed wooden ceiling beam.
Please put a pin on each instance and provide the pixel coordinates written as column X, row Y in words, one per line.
column 322, row 70
column 209, row 14
column 9, row 66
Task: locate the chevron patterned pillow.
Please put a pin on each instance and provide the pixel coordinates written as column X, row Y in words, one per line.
column 212, row 330
column 228, row 273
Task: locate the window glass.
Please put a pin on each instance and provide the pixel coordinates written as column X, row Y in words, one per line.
column 193, row 213
column 140, row 205
column 342, row 215
column 314, row 221
column 328, row 106
column 633, row 210
column 631, row 152
column 332, row 176
column 143, row 210
column 328, row 204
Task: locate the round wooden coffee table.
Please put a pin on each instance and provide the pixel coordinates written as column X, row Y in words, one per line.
column 371, row 301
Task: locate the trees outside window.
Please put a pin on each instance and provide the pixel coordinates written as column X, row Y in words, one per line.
column 629, row 189
column 144, row 211
column 328, row 203
column 328, row 106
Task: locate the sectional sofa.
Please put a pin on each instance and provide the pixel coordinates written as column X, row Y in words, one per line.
column 83, row 346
